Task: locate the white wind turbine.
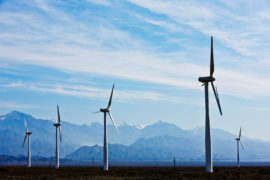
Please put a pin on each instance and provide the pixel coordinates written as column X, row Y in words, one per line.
column 105, row 146
column 27, row 134
column 205, row 81
column 238, row 140
column 58, row 127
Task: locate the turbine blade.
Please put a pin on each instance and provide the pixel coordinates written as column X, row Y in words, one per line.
column 25, row 125
column 97, row 112
column 240, row 133
column 216, row 96
column 60, row 133
column 59, row 119
column 113, row 122
column 24, row 140
column 218, row 101
column 212, row 66
column 241, row 145
column 110, row 101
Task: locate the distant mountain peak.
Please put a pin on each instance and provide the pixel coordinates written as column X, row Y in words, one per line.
column 166, row 124
column 138, row 126
column 160, row 122
column 17, row 115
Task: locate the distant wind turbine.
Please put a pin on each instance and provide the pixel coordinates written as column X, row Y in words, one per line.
column 58, row 127
column 238, row 140
column 27, row 134
column 105, row 146
column 205, row 81
column 174, row 162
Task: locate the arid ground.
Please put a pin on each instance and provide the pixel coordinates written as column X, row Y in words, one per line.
column 80, row 173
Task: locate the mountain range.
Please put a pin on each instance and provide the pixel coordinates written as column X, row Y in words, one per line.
column 158, row 141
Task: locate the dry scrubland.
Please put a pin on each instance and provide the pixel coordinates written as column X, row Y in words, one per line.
column 230, row 173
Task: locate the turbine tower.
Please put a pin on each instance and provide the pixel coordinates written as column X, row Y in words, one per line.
column 58, row 127
column 105, row 146
column 206, row 80
column 238, row 140
column 27, row 134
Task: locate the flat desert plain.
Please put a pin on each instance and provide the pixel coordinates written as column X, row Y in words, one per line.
column 81, row 173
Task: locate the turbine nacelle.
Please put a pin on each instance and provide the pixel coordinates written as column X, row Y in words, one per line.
column 206, row 79
column 104, row 110
column 57, row 124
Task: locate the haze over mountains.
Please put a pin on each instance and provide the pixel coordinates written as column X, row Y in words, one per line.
column 158, row 141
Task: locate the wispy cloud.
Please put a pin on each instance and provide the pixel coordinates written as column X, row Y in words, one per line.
column 101, row 47
column 139, row 66
column 241, row 29
column 127, row 96
column 14, row 105
column 102, row 2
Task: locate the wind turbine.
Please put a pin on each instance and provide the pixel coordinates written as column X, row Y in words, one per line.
column 238, row 140
column 105, row 146
column 58, row 127
column 206, row 80
column 27, row 134
column 174, row 162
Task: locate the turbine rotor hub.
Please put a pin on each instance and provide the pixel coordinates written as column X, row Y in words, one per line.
column 206, row 79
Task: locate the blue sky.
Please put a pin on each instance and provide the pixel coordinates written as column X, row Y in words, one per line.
column 70, row 53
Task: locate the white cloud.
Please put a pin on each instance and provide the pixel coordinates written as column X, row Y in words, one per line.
column 140, row 66
column 102, row 2
column 14, row 105
column 15, row 84
column 127, row 96
column 244, row 32
column 102, row 48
